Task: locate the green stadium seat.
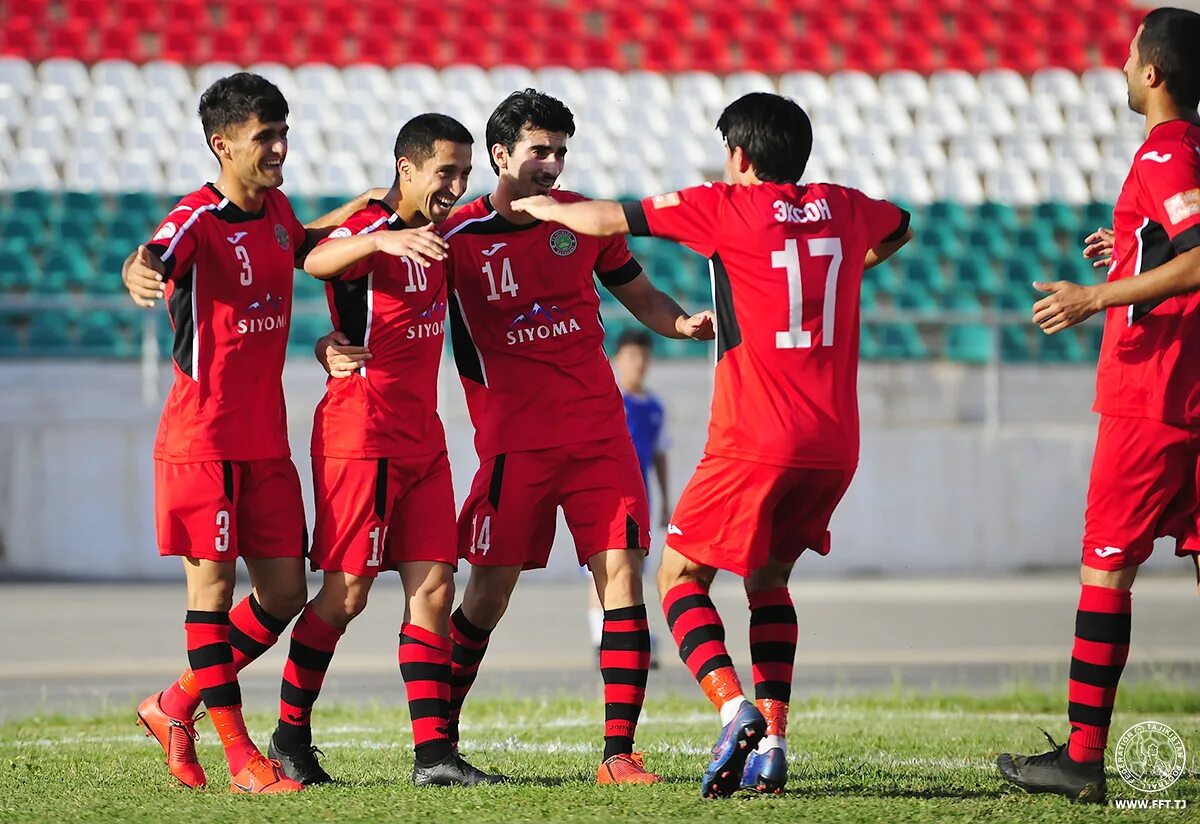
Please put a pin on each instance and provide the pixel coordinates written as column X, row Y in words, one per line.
column 85, row 202
column 308, row 288
column 306, row 329
column 867, row 297
column 922, row 272
column 1064, row 347
column 1037, row 240
column 327, row 203
column 145, row 207
column 31, row 201
column 109, row 335
column 883, row 279
column 1015, row 342
column 969, row 343
column 979, row 275
column 944, row 240
column 107, row 276
column 75, row 226
column 17, row 267
column 25, row 226
column 1095, row 215
column 64, row 266
column 962, row 301
column 989, row 244
column 1061, row 218
column 50, row 333
column 11, row 343
column 915, row 298
column 996, row 218
column 868, row 346
column 946, row 214
column 899, row 341
column 1014, row 298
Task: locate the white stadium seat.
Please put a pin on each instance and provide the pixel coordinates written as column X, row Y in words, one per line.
column 858, row 87
column 992, row 117
column 17, row 75
column 508, row 79
column 318, row 80
column 12, row 106
column 647, row 89
column 1065, row 184
column 958, row 182
column 905, row 87
column 1105, row 84
column 701, row 90
column 171, row 77
column 371, row 81
column 471, row 81
column 742, row 83
column 33, row 170
column 809, row 89
column 414, row 79
column 210, row 73
column 106, row 103
column 955, row 84
column 1025, row 150
column 45, row 134
column 89, row 174
column 561, row 83
column 1011, row 184
column 923, row 154
column 278, row 74
column 1003, row 84
column 137, row 171
column 69, row 74
column 979, row 152
column 1080, row 152
column 908, row 185
column 603, row 86
column 1057, row 84
column 119, row 74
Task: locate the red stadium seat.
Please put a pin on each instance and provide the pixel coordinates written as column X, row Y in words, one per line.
column 1021, row 56
column 91, row 12
column 811, row 55
column 917, row 54
column 968, row 55
column 866, row 55
column 21, row 37
column 71, row 39
column 122, row 42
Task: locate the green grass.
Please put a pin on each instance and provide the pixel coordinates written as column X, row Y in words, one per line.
column 894, row 758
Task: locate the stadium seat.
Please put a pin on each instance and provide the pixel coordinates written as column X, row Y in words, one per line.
column 969, row 343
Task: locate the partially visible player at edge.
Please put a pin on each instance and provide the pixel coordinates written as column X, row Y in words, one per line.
column 787, row 263
column 225, row 486
column 549, row 425
column 381, row 476
column 1147, row 460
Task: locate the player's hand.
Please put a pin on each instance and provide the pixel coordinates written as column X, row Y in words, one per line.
column 538, row 207
column 699, row 326
column 419, row 245
column 144, row 278
column 1066, row 305
column 1099, row 246
column 338, row 357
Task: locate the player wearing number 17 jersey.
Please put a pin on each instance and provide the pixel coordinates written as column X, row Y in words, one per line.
column 787, row 263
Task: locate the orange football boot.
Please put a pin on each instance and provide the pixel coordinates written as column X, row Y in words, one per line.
column 178, row 740
column 625, row 769
column 261, row 775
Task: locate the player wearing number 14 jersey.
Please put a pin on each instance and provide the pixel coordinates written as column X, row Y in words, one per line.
column 549, row 421
column 787, row 264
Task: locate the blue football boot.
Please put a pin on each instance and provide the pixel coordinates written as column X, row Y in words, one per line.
column 738, row 740
column 766, row 772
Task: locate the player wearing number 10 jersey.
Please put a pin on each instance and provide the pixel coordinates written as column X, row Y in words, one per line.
column 787, row 263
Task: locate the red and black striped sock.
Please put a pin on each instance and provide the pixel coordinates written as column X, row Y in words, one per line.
column 1102, row 627
column 311, row 650
column 698, row 632
column 624, row 664
column 252, row 632
column 211, row 659
column 773, row 635
column 469, row 643
column 425, row 668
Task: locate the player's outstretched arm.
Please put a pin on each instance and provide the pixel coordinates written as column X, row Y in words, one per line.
column 337, row 357
column 318, row 229
column 339, row 254
column 886, row 249
column 598, row 218
column 143, row 274
column 658, row 311
column 1069, row 303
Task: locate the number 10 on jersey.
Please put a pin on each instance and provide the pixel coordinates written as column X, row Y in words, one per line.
column 788, row 259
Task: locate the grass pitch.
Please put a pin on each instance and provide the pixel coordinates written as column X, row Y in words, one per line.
column 893, row 758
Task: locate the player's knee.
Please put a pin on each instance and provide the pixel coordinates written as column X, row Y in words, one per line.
column 485, row 603
column 284, row 600
column 353, row 604
column 436, row 593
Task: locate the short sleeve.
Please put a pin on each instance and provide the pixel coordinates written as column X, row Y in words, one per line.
column 615, row 264
column 689, row 216
column 175, row 240
column 883, row 222
column 1173, row 189
column 353, row 226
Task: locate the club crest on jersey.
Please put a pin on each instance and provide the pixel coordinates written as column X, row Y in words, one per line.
column 563, row 242
column 540, row 323
column 281, row 237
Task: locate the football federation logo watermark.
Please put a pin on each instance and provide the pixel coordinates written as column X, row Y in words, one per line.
column 563, row 242
column 1150, row 757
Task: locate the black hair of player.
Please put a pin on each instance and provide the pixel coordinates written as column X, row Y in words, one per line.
column 1169, row 43
column 635, row 337
column 774, row 133
column 235, row 99
column 526, row 109
column 418, row 136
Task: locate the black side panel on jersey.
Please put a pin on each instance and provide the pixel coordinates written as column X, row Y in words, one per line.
column 180, row 307
column 729, row 334
column 1156, row 250
column 466, row 357
column 350, row 301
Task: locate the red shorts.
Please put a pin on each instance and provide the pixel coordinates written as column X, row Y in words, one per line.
column 376, row 513
column 1145, row 484
column 223, row 510
column 509, row 515
column 737, row 515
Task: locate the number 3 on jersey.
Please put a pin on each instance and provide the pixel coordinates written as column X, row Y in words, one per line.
column 507, row 282
column 788, row 258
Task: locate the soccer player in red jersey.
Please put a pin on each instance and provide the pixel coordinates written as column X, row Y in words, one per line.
column 1146, row 466
column 384, row 499
column 549, row 420
column 787, row 263
column 225, row 486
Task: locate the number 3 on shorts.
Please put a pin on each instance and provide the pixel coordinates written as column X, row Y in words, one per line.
column 221, row 542
column 481, row 534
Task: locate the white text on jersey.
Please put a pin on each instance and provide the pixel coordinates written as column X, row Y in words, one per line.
column 810, row 212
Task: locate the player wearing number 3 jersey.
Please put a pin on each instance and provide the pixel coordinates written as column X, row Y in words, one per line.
column 787, row 263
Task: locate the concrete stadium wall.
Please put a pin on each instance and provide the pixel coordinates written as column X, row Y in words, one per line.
column 940, row 490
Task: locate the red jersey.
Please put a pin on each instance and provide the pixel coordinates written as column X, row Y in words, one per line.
column 787, row 267
column 396, row 308
column 1148, row 366
column 229, row 293
column 526, row 329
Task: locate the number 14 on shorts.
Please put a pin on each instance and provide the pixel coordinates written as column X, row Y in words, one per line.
column 481, row 534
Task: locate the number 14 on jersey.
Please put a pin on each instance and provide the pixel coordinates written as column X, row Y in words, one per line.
column 788, row 259
column 508, row 283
